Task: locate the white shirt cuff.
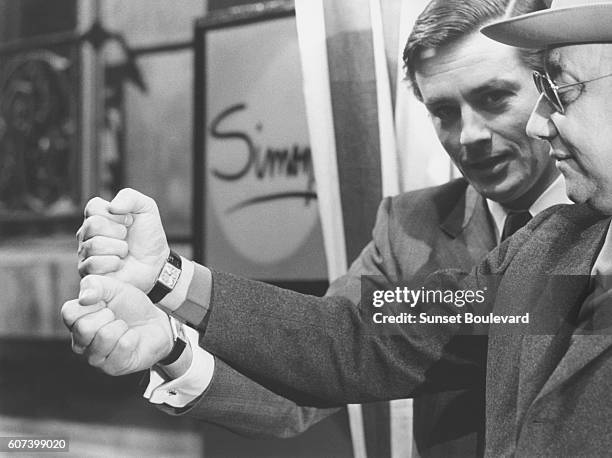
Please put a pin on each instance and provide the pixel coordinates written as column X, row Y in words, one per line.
column 188, row 387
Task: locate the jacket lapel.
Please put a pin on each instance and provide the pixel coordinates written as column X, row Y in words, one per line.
column 469, row 224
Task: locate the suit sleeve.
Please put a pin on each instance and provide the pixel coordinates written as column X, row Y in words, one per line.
column 237, row 403
column 244, row 406
column 321, row 351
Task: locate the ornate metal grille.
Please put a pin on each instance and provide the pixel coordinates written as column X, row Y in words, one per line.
column 39, row 136
column 46, row 166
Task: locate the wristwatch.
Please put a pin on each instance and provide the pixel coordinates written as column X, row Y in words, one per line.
column 178, row 337
column 167, row 278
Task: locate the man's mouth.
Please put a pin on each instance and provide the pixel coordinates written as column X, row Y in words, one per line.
column 560, row 156
column 560, row 153
column 488, row 163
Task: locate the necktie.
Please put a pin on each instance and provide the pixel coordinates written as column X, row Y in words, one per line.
column 514, row 221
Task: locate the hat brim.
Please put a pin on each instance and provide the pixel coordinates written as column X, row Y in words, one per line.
column 577, row 24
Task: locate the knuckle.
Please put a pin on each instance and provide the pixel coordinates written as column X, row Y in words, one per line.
column 85, row 249
column 124, row 365
column 150, row 201
column 83, row 329
column 77, row 349
column 81, row 250
column 92, row 226
column 121, row 231
column 123, row 248
column 126, row 343
column 95, row 245
column 87, row 281
column 82, row 268
column 94, row 360
column 105, row 335
column 88, row 205
column 114, row 263
column 94, row 205
column 127, row 193
column 98, row 265
column 78, row 234
column 112, row 370
column 66, row 313
column 96, row 223
column 122, row 327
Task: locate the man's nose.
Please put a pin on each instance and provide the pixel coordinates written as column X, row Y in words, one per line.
column 474, row 130
column 539, row 125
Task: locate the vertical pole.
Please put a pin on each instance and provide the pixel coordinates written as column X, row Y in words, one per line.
column 92, row 106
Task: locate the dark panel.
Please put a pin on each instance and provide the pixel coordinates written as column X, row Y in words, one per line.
column 221, row 4
column 41, row 17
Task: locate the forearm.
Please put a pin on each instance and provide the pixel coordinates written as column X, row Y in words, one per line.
column 321, row 352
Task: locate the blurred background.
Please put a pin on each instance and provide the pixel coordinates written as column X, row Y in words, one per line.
column 97, row 95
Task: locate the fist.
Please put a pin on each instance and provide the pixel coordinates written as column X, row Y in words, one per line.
column 116, row 326
column 123, row 239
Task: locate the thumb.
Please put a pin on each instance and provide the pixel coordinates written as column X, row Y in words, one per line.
column 97, row 288
column 131, row 201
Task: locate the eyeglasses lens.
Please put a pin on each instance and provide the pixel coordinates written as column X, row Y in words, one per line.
column 544, row 86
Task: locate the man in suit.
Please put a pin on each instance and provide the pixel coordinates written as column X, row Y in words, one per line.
column 547, row 386
column 448, row 226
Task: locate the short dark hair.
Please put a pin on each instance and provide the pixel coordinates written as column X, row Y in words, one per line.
column 444, row 21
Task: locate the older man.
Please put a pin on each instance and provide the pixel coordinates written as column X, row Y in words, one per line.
column 546, row 394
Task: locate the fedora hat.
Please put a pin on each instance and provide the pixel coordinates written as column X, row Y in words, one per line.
column 565, row 22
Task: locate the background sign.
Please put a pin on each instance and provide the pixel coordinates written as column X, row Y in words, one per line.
column 256, row 206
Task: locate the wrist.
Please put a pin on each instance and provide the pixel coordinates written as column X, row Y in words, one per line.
column 167, row 278
column 180, row 366
column 177, row 297
column 176, row 350
column 158, row 268
column 169, row 340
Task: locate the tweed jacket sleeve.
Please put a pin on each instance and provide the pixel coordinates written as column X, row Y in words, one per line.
column 237, row 403
column 321, row 352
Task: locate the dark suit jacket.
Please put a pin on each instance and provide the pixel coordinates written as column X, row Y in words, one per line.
column 546, row 394
column 438, row 227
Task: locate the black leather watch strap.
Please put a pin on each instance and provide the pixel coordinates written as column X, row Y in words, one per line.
column 179, row 345
column 175, row 353
column 167, row 278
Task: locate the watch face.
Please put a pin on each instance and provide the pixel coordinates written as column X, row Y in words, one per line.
column 169, row 276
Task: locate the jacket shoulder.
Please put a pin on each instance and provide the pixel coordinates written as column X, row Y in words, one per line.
column 435, row 202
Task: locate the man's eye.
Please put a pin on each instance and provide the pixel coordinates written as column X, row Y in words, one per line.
column 568, row 95
column 445, row 113
column 494, row 99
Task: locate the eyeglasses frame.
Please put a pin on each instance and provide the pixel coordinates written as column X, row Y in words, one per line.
column 538, row 78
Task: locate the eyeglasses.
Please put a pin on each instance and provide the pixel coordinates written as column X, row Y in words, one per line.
column 550, row 89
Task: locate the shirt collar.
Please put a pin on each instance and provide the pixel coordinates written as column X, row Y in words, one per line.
column 554, row 194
